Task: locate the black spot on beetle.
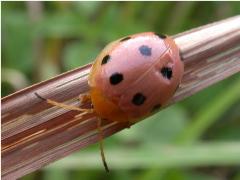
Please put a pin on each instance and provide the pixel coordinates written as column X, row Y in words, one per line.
column 161, row 36
column 125, row 39
column 138, row 99
column 105, row 59
column 166, row 72
column 156, row 107
column 145, row 50
column 116, row 78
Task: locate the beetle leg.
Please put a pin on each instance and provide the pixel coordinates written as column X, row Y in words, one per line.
column 62, row 105
column 84, row 98
column 100, row 133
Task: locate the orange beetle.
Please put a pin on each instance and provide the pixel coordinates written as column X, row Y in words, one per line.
column 131, row 78
column 134, row 76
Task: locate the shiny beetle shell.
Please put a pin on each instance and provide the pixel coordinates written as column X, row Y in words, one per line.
column 134, row 76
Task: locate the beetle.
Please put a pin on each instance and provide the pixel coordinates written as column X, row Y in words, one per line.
column 131, row 78
column 134, row 76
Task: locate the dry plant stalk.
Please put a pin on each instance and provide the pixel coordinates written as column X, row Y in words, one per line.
column 35, row 134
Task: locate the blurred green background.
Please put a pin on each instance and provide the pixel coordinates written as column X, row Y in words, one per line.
column 195, row 139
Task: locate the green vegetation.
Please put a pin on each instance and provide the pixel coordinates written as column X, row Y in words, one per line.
column 195, row 139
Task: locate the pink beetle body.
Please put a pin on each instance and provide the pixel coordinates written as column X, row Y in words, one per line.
column 134, row 76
